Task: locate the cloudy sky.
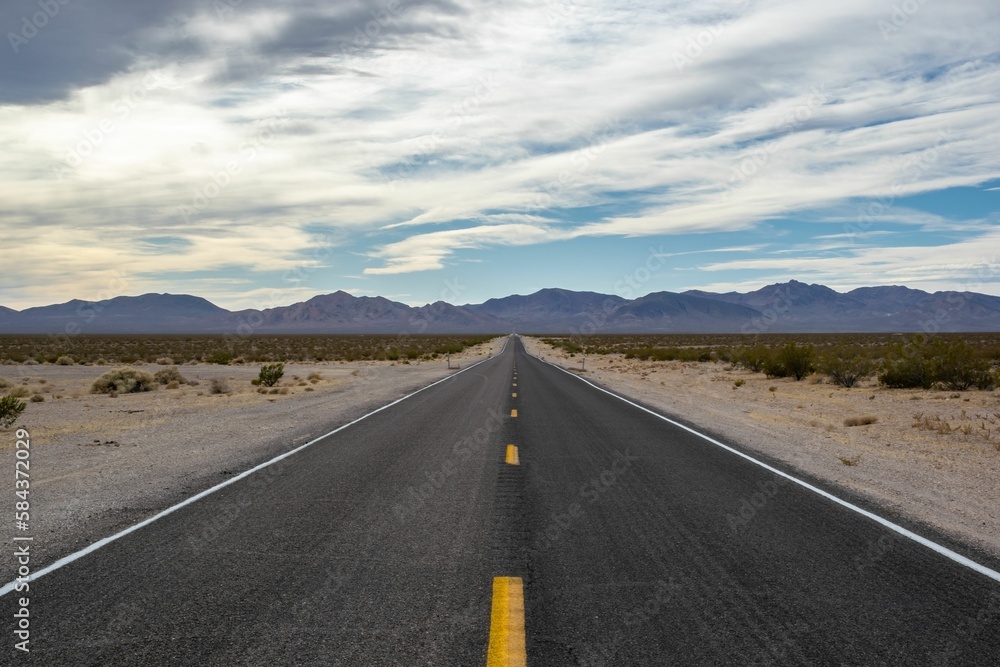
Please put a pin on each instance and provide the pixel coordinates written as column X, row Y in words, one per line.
column 260, row 152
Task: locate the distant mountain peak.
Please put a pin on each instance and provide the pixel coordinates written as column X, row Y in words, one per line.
column 793, row 306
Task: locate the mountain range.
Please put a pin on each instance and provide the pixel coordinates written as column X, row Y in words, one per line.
column 779, row 308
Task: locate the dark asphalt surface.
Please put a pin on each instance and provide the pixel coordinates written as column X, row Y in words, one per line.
column 639, row 544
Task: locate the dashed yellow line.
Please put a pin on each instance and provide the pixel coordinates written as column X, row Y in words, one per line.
column 507, row 624
column 512, row 457
column 513, row 394
column 513, row 413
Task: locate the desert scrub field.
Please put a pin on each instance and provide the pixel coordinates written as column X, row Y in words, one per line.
column 953, row 362
column 221, row 349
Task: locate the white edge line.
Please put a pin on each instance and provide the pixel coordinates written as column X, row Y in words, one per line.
column 934, row 546
column 66, row 560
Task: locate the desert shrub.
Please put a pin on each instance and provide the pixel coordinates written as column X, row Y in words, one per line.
column 270, row 374
column 314, row 377
column 797, row 360
column 10, row 409
column 773, row 368
column 20, row 391
column 860, row 421
column 4, row 383
column 846, row 367
column 219, row 386
column 957, row 366
column 168, row 375
column 65, row 361
column 173, row 384
column 952, row 364
column 905, row 367
column 752, row 358
column 37, row 398
column 222, row 358
column 123, row 381
column 165, row 361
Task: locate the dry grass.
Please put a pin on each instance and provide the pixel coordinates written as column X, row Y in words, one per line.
column 219, row 386
column 860, row 421
column 167, row 350
column 850, row 461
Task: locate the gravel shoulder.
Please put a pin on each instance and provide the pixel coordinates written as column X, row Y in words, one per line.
column 930, row 456
column 100, row 463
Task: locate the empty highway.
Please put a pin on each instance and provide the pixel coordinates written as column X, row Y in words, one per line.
column 514, row 514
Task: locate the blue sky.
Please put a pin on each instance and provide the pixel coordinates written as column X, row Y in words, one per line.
column 258, row 153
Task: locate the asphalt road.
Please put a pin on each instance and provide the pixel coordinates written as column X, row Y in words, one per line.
column 638, row 543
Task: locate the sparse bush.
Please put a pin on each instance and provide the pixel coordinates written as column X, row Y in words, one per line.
column 739, row 383
column 219, row 386
column 165, row 361
column 797, row 360
column 952, row 364
column 10, row 409
column 168, row 375
column 123, row 381
column 20, row 391
column 4, row 383
column 860, row 421
column 957, row 366
column 314, row 377
column 774, row 368
column 850, row 460
column 904, row 367
column 37, row 398
column 222, row 358
column 846, row 367
column 173, row 384
column 752, row 358
column 65, row 361
column 270, row 374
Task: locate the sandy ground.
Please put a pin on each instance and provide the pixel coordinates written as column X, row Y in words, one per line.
column 100, row 463
column 931, row 456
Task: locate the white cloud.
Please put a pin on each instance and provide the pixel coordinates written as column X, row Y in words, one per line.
column 497, row 119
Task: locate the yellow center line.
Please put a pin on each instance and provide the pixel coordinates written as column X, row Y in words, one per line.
column 512, row 457
column 513, row 413
column 507, row 624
